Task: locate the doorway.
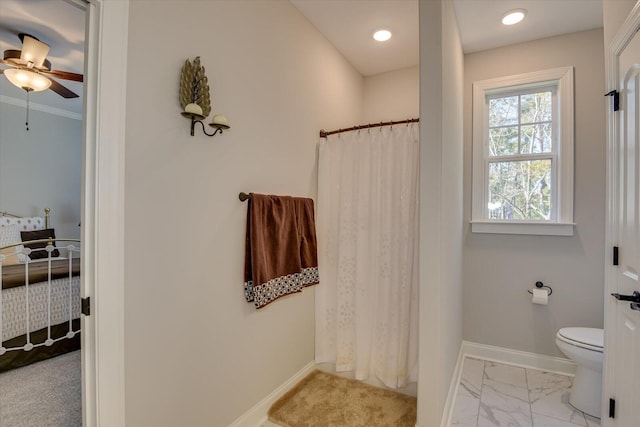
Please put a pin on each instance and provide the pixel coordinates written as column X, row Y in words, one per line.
column 41, row 140
column 103, row 212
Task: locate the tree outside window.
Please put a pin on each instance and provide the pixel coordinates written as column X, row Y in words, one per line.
column 520, row 126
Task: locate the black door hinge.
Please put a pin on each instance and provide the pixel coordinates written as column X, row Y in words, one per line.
column 86, row 306
column 612, row 408
column 615, row 255
column 616, row 99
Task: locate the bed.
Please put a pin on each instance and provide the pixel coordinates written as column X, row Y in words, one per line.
column 40, row 297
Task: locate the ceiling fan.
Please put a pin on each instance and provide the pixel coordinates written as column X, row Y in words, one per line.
column 31, row 68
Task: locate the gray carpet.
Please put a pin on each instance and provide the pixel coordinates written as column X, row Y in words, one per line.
column 45, row 394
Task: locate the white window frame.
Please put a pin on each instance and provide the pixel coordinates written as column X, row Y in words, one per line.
column 561, row 222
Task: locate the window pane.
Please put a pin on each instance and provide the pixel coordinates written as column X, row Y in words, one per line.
column 503, row 141
column 536, row 138
column 535, row 107
column 520, row 190
column 503, row 111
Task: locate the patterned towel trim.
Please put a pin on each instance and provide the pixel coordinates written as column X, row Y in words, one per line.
column 265, row 293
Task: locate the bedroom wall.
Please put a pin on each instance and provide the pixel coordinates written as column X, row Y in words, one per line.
column 41, row 167
column 196, row 353
column 394, row 95
column 441, row 151
column 498, row 269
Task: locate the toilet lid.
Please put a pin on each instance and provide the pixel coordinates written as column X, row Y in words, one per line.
column 583, row 337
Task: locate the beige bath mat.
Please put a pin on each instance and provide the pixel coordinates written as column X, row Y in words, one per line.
column 326, row 400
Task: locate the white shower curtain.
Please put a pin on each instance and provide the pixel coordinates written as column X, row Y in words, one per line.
column 367, row 223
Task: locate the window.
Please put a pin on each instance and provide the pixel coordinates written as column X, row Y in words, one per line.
column 523, row 154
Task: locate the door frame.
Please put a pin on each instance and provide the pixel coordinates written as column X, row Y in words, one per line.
column 103, row 212
column 619, row 42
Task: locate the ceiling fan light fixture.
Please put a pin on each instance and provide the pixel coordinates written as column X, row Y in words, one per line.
column 513, row 16
column 27, row 80
column 34, row 52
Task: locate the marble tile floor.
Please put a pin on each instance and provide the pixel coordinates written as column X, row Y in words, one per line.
column 498, row 395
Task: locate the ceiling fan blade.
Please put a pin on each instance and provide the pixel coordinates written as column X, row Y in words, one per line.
column 61, row 90
column 65, row 75
column 11, row 58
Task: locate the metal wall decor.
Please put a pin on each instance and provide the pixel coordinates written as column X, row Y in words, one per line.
column 195, row 98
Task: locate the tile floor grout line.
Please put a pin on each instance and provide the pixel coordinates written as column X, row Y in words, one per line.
column 526, row 380
column 484, row 365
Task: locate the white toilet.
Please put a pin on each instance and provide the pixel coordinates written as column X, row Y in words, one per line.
column 584, row 346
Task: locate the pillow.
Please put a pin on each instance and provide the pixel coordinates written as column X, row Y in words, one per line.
column 37, row 235
column 24, row 224
column 9, row 235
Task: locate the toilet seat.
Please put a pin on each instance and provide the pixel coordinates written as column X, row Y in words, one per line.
column 587, row 338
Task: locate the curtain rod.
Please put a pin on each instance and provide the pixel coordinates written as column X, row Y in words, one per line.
column 324, row 133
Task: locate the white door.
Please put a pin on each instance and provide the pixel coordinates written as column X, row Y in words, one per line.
column 626, row 354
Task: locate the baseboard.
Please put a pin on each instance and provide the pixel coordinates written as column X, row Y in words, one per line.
column 257, row 415
column 524, row 359
column 453, row 389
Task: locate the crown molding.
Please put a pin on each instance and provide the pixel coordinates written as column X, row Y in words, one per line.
column 39, row 107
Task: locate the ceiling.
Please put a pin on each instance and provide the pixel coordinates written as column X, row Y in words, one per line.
column 481, row 29
column 347, row 24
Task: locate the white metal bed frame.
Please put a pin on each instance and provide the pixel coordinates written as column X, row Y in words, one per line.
column 73, row 248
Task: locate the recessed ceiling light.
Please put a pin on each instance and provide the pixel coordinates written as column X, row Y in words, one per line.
column 382, row 35
column 513, row 16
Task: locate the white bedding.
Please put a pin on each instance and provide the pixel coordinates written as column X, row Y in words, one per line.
column 14, row 319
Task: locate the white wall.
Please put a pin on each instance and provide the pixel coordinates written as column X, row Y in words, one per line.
column 498, row 269
column 196, row 353
column 614, row 13
column 41, row 167
column 441, row 95
column 392, row 96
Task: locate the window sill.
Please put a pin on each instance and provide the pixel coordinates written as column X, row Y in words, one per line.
column 530, row 228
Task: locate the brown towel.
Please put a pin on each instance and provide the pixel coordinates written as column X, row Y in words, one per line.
column 281, row 251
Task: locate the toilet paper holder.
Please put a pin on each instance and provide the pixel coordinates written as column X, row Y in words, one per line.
column 542, row 285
